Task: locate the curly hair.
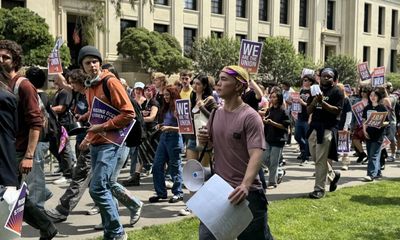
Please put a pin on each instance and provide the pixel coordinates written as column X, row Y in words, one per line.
column 36, row 76
column 15, row 50
column 78, row 76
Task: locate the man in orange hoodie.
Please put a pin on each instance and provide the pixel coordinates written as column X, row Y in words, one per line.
column 103, row 152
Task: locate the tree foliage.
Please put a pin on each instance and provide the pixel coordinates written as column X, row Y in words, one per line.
column 394, row 78
column 153, row 51
column 211, row 54
column 279, row 61
column 346, row 67
column 30, row 31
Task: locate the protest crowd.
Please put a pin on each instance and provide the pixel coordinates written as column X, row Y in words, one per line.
column 235, row 126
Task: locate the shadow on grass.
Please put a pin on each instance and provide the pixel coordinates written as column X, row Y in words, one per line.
column 375, row 201
column 376, row 233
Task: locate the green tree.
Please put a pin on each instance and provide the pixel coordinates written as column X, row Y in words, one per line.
column 30, row 31
column 279, row 61
column 211, row 54
column 394, row 78
column 346, row 67
column 152, row 51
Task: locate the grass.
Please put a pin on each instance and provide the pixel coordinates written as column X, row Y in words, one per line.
column 370, row 211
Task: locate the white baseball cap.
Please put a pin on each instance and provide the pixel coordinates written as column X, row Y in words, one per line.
column 139, row 85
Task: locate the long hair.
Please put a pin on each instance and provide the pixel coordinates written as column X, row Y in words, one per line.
column 279, row 96
column 207, row 88
column 174, row 94
column 377, row 93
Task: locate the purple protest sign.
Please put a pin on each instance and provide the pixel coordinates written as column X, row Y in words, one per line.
column 63, row 139
column 363, row 71
column 378, row 78
column 185, row 123
column 343, row 142
column 14, row 220
column 358, row 109
column 100, row 113
column 250, row 55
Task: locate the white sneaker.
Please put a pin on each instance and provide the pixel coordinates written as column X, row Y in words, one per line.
column 185, row 212
column 136, row 216
column 390, row 159
column 98, row 226
column 345, row 168
column 61, row 180
column 169, row 184
column 368, row 179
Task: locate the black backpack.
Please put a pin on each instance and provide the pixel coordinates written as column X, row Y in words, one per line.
column 137, row 134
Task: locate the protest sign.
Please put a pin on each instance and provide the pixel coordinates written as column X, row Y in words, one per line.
column 376, row 119
column 63, row 139
column 307, row 71
column 54, row 62
column 358, row 109
column 315, row 90
column 363, row 71
column 100, row 113
column 250, row 55
column 378, row 78
column 347, row 89
column 184, row 118
column 343, row 142
column 385, row 143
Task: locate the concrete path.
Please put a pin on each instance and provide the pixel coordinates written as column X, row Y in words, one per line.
column 297, row 182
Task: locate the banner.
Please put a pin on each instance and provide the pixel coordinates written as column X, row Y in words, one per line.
column 363, row 71
column 358, row 109
column 100, row 113
column 378, row 77
column 307, row 71
column 344, row 142
column 385, row 143
column 185, row 122
column 250, row 55
column 15, row 218
column 376, row 119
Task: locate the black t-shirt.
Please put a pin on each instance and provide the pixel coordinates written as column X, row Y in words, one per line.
column 375, row 134
column 45, row 100
column 146, row 106
column 334, row 97
column 63, row 97
column 8, row 128
column 250, row 98
column 345, row 110
column 273, row 135
column 305, row 95
column 81, row 107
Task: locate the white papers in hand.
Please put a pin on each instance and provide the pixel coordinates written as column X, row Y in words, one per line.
column 211, row 205
column 315, row 90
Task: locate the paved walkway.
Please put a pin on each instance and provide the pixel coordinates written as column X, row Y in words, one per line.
column 297, row 182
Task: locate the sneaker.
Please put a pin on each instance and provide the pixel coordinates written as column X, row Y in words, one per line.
column 55, row 216
column 51, row 236
column 303, row 162
column 281, row 174
column 333, row 185
column 62, row 180
column 382, row 167
column 345, row 168
column 317, row 194
column 272, row 186
column 132, row 181
column 361, row 157
column 93, row 211
column 121, row 237
column 169, row 184
column 155, row 199
column 364, row 161
column 390, row 159
column 368, row 179
column 185, row 212
column 136, row 216
column 175, row 199
column 98, row 226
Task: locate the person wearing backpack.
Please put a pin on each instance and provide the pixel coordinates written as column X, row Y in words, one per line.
column 103, row 152
column 29, row 125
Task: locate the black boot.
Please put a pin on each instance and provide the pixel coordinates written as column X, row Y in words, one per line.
column 132, row 181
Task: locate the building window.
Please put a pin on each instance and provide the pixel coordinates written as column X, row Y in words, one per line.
column 263, row 10
column 380, row 61
column 366, row 53
column 191, row 4
column 240, row 37
column 161, row 2
column 303, row 13
column 381, row 21
column 303, row 48
column 393, row 61
column 241, row 8
column 330, row 50
column 330, row 15
column 216, row 34
column 284, row 12
column 395, row 23
column 189, row 35
column 367, row 17
column 261, row 39
column 216, row 6
column 10, row 4
column 125, row 23
column 161, row 28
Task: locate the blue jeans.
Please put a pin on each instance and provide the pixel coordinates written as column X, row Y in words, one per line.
column 118, row 191
column 133, row 153
column 301, row 129
column 272, row 154
column 36, row 178
column 168, row 151
column 104, row 161
column 374, row 155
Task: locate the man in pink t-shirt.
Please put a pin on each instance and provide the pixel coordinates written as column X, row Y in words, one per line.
column 237, row 135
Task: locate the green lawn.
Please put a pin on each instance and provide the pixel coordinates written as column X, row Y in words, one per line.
column 371, row 211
